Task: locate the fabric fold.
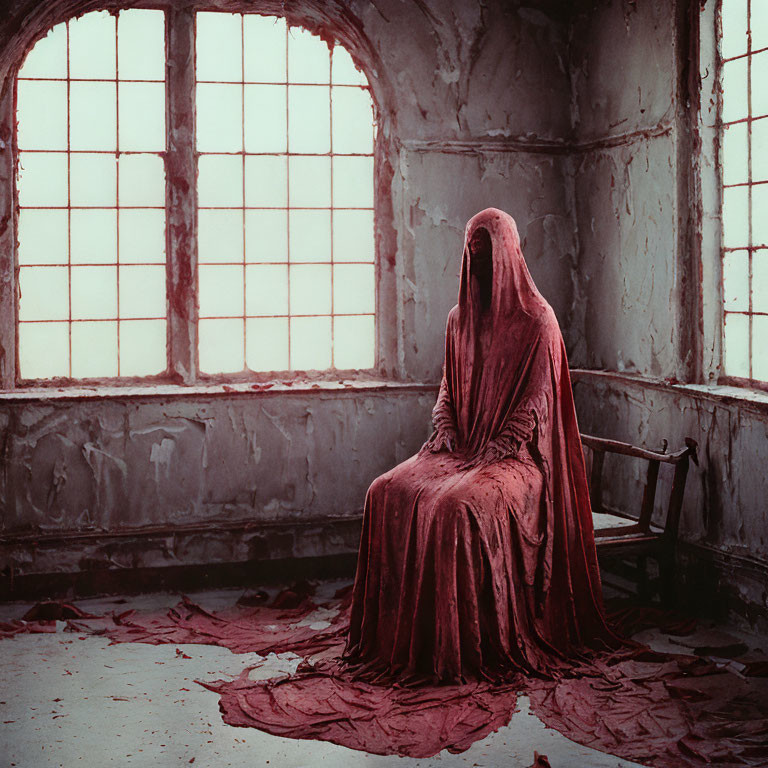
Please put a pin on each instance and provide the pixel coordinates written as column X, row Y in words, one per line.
column 477, row 556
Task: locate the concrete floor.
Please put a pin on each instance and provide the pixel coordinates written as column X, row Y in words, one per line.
column 73, row 700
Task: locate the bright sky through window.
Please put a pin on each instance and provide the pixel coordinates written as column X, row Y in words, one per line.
column 285, row 193
column 744, row 159
column 91, row 127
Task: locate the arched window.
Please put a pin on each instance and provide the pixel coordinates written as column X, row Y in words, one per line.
column 744, row 165
column 272, row 193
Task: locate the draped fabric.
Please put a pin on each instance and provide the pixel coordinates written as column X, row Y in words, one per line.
column 477, row 566
column 477, row 556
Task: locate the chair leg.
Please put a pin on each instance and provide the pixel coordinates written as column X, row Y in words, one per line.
column 642, row 578
column 667, row 569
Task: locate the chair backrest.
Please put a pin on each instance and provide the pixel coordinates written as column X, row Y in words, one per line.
column 600, row 446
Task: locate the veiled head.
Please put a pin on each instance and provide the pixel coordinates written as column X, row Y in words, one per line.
column 492, row 253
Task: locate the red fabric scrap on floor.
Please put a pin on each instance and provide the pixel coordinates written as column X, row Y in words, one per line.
column 663, row 710
column 42, row 617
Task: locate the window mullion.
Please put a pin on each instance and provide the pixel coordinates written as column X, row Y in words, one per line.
column 8, row 266
column 181, row 195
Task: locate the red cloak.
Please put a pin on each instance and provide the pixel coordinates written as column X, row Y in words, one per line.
column 480, row 561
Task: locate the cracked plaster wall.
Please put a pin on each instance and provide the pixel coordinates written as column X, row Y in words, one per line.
column 633, row 160
column 474, row 101
column 623, row 69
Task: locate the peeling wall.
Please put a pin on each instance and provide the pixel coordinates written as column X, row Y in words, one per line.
column 623, row 70
column 724, row 515
column 644, row 245
column 194, row 465
column 580, row 120
column 473, row 110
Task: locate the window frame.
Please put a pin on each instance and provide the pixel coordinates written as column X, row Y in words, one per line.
column 718, row 126
column 180, row 159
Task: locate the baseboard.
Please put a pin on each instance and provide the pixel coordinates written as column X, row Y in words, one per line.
column 184, row 578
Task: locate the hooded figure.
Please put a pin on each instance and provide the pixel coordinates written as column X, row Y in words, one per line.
column 477, row 557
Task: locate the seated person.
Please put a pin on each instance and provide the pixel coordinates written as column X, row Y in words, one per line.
column 477, row 557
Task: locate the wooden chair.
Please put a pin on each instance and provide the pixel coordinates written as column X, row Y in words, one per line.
column 620, row 535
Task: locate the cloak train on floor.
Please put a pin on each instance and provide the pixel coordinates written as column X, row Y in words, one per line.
column 480, row 561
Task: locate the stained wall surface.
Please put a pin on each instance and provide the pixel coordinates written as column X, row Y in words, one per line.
column 642, row 277
column 624, row 66
column 474, row 111
column 577, row 118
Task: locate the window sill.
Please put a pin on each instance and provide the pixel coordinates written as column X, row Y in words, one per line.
column 235, row 389
column 727, row 394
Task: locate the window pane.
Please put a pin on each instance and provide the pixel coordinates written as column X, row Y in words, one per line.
column 266, row 236
column 142, row 236
column 93, row 116
column 42, row 178
column 735, row 219
column 310, row 182
column 142, row 292
column 220, row 181
column 352, row 121
column 91, row 182
column 94, row 349
column 93, row 179
column 266, row 290
column 309, row 119
column 760, row 150
column 142, row 347
column 142, row 117
column 308, row 57
column 142, row 180
column 353, row 236
column 736, row 281
column 93, row 237
column 48, row 56
column 353, row 288
column 353, row 182
column 220, row 236
column 221, row 346
column 92, row 46
column 736, row 345
column 760, row 84
column 733, row 19
column 760, row 284
column 141, row 44
column 353, row 342
column 94, row 293
column 42, row 115
column 310, row 343
column 42, row 237
column 219, row 46
column 760, row 214
column 759, row 24
column 272, row 119
column 734, row 90
column 219, row 118
column 344, row 70
column 310, row 286
column 735, row 154
column 265, row 118
column 265, row 182
column 266, row 344
column 759, row 355
column 221, row 290
column 43, row 350
column 44, row 293
column 310, row 236
column 264, row 49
